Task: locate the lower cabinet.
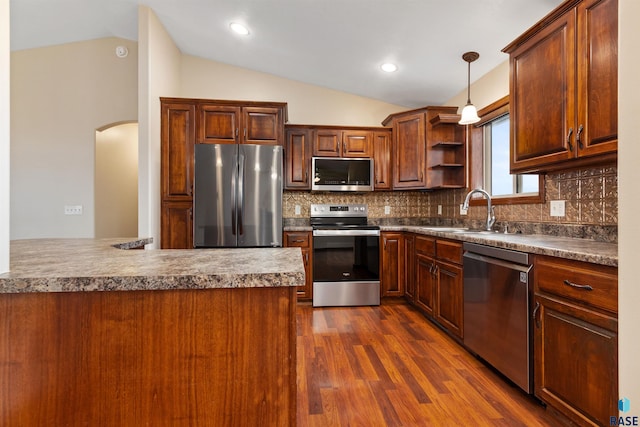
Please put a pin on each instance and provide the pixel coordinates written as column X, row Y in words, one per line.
column 576, row 339
column 392, row 277
column 438, row 281
column 176, row 225
column 302, row 240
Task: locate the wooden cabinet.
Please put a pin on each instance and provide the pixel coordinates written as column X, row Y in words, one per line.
column 185, row 122
column 297, row 154
column 330, row 141
column 224, row 123
column 427, row 149
column 176, row 226
column 177, row 138
column 303, row 239
column 563, row 88
column 382, row 159
column 409, row 267
column 438, row 281
column 304, row 141
column 576, row 338
column 425, row 252
column 392, row 258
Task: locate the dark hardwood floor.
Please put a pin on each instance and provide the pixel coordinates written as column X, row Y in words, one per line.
column 389, row 366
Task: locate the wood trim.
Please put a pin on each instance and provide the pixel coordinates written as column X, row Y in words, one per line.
column 476, row 158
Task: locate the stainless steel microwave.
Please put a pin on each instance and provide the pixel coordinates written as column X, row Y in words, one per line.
column 342, row 174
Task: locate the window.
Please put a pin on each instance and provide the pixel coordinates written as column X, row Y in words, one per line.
column 490, row 145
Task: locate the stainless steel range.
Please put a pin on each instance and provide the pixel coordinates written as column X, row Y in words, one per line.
column 346, row 256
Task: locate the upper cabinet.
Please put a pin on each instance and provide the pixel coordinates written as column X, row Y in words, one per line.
column 306, row 141
column 427, row 149
column 241, row 123
column 563, row 88
column 335, row 142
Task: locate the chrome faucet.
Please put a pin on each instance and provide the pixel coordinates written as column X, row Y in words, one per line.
column 491, row 217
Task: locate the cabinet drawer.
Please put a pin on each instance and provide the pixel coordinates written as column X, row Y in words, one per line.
column 449, row 251
column 300, row 240
column 595, row 285
column 425, row 245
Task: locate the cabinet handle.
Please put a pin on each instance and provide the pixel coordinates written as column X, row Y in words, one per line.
column 384, row 244
column 306, row 259
column 569, row 139
column 577, row 286
column 535, row 314
column 344, row 146
column 421, row 175
column 298, row 241
column 237, row 131
column 580, row 129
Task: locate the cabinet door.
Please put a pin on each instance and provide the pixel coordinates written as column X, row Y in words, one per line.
column 409, row 151
column 392, row 280
column 302, row 239
column 356, row 143
column 176, row 225
column 382, row 160
column 326, row 143
column 177, row 140
column 449, row 302
column 409, row 267
column 262, row 125
column 425, row 284
column 576, row 360
column 297, row 159
column 218, row 124
column 542, row 97
column 597, row 77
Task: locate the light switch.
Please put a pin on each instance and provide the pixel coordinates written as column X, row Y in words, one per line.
column 297, row 209
column 439, row 209
column 73, row 210
column 387, row 210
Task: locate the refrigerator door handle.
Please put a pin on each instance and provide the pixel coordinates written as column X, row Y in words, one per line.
column 234, row 178
column 240, row 204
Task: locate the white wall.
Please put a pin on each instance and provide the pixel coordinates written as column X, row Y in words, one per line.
column 629, row 203
column 307, row 104
column 116, row 181
column 60, row 95
column 159, row 75
column 5, row 135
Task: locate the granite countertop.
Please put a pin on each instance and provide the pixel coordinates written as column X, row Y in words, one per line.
column 578, row 249
column 565, row 247
column 74, row 265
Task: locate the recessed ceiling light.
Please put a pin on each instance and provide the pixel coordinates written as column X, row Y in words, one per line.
column 389, row 67
column 239, row 28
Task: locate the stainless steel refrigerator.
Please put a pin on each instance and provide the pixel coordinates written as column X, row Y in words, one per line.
column 238, row 195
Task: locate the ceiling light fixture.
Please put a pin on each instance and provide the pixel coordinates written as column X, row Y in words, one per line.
column 469, row 112
column 388, row 67
column 239, row 28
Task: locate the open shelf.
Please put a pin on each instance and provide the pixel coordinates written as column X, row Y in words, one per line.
column 447, row 144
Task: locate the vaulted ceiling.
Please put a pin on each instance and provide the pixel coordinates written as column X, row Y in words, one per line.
column 338, row 44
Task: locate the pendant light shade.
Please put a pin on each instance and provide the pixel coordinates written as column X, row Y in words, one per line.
column 469, row 112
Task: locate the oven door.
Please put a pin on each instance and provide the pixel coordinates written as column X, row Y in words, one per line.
column 346, row 267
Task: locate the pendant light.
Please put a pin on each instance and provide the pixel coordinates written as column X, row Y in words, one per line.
column 469, row 112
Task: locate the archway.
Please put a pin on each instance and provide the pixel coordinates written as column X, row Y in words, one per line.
column 116, row 181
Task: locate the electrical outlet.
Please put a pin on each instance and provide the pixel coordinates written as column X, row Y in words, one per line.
column 387, row 210
column 297, row 209
column 73, row 210
column 557, row 207
column 463, row 211
column 439, row 209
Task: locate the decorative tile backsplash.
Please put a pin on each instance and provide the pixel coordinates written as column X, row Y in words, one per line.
column 591, row 197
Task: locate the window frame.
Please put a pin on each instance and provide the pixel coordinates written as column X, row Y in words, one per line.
column 477, row 158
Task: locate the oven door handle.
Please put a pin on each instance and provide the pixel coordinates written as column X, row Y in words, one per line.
column 346, row 233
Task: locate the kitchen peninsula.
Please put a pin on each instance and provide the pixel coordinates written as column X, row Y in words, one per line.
column 94, row 334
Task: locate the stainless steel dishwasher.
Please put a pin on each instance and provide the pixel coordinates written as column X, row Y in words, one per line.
column 496, row 310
